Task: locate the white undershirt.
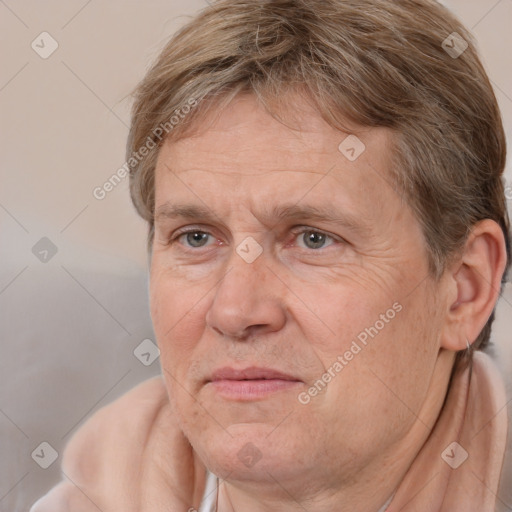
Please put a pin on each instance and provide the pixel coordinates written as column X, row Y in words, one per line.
column 209, row 503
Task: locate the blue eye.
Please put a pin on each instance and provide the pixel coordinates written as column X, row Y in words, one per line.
column 314, row 239
column 195, row 238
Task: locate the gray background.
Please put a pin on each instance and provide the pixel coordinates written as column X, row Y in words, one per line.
column 69, row 325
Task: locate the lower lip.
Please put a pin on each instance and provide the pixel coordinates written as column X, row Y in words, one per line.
column 251, row 389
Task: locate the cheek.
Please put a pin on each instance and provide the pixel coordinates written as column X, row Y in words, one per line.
column 388, row 343
column 348, row 314
column 400, row 360
column 177, row 316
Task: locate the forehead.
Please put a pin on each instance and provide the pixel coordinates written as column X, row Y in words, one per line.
column 243, row 154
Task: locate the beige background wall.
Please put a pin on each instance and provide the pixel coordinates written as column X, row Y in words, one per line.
column 69, row 325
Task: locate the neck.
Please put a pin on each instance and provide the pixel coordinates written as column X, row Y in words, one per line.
column 368, row 491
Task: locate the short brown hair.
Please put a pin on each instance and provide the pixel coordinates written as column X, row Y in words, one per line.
column 375, row 63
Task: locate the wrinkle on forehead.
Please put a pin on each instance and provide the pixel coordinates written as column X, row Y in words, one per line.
column 264, row 172
column 247, row 157
column 245, row 130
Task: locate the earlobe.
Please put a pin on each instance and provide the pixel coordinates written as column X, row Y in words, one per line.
column 476, row 282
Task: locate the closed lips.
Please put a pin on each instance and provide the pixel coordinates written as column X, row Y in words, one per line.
column 251, row 373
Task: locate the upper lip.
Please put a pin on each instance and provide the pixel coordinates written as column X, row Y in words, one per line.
column 251, row 373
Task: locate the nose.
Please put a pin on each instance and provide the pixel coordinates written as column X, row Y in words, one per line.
column 248, row 301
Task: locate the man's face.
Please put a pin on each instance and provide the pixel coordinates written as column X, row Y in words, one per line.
column 296, row 319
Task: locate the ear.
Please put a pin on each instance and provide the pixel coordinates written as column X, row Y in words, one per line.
column 474, row 283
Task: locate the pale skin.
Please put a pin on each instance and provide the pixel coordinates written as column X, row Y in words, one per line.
column 300, row 304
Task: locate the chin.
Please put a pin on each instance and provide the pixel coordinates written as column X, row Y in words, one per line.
column 249, row 452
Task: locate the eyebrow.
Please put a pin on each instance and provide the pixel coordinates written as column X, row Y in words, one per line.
column 290, row 212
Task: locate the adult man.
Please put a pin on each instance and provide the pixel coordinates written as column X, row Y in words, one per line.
column 328, row 235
